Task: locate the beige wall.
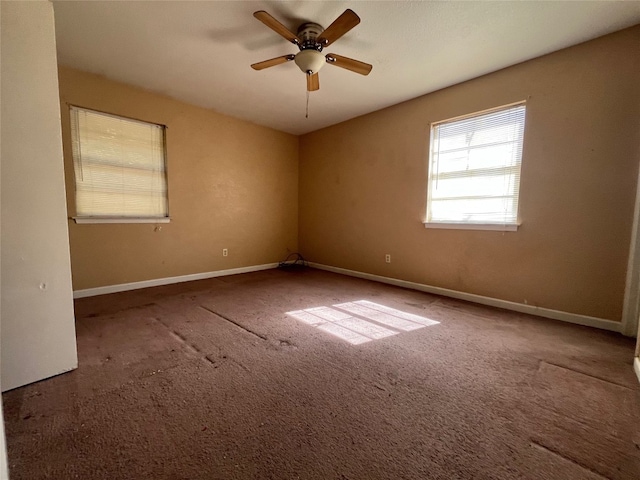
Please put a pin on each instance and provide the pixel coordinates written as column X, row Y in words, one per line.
column 232, row 185
column 363, row 185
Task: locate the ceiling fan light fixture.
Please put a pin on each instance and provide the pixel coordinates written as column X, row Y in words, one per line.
column 310, row 61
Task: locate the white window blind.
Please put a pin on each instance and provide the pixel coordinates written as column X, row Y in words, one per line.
column 119, row 166
column 474, row 168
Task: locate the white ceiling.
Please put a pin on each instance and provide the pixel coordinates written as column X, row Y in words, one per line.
column 199, row 52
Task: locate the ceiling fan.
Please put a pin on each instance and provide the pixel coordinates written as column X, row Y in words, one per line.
column 311, row 38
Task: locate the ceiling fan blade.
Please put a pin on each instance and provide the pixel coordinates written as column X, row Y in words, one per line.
column 349, row 63
column 313, row 82
column 276, row 26
column 339, row 27
column 273, row 62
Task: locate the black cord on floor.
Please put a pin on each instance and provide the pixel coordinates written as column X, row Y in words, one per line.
column 294, row 261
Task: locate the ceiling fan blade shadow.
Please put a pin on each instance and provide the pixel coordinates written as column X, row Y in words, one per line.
column 261, row 43
column 285, row 11
column 228, row 35
column 313, row 82
column 339, row 27
column 276, row 26
column 272, row 62
column 349, row 64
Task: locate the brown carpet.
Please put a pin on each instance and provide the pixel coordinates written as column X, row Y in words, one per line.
column 213, row 380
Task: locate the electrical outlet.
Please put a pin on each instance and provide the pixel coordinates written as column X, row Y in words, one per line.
column 387, row 258
column 225, row 252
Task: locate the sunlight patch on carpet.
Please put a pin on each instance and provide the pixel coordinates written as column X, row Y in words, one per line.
column 362, row 321
column 380, row 317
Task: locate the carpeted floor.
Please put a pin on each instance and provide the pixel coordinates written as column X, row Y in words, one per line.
column 214, row 380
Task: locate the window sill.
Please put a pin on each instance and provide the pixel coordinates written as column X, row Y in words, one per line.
column 85, row 220
column 510, row 227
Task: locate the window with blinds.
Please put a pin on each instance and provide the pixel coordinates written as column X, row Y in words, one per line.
column 120, row 168
column 474, row 170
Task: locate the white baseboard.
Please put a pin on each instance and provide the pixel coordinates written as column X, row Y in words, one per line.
column 494, row 302
column 123, row 287
column 636, row 367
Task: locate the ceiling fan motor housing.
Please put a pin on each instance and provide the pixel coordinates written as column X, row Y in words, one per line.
column 308, row 34
column 309, row 59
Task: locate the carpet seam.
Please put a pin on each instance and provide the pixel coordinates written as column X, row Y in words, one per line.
column 558, row 454
column 179, row 336
column 239, row 325
column 588, row 375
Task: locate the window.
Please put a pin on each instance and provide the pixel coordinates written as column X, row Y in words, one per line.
column 474, row 170
column 119, row 166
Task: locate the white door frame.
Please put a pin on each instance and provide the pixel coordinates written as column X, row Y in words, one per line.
column 631, row 305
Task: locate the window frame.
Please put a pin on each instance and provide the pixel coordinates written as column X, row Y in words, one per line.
column 117, row 219
column 466, row 225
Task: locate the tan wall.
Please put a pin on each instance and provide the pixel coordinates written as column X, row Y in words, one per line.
column 363, row 185
column 232, row 185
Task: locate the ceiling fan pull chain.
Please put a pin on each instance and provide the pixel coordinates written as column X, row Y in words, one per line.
column 307, row 111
